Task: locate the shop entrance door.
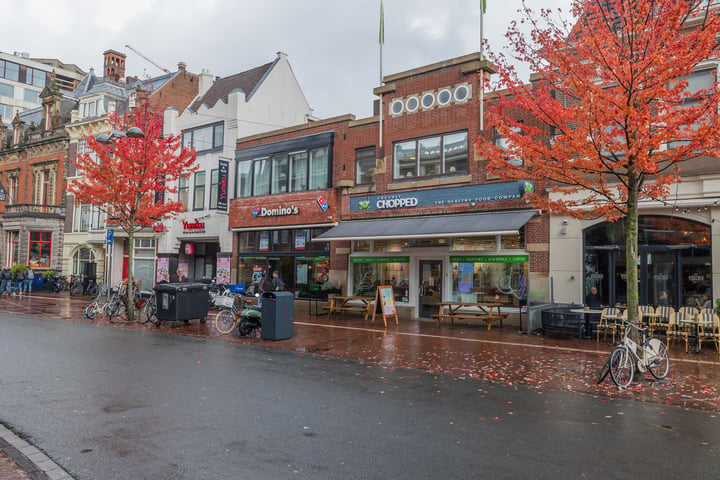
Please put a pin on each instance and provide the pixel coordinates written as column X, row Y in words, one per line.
column 430, row 287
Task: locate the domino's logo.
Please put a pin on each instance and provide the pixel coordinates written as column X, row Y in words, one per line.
column 256, row 211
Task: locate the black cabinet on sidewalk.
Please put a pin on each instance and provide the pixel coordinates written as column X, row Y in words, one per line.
column 181, row 301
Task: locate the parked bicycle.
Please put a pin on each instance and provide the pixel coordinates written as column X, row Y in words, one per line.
column 148, row 311
column 80, row 287
column 107, row 302
column 59, row 283
column 248, row 318
column 650, row 356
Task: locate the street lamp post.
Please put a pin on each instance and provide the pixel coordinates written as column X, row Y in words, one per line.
column 109, row 139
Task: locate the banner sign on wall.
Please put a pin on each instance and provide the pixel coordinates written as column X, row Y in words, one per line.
column 223, row 270
column 488, row 192
column 222, row 191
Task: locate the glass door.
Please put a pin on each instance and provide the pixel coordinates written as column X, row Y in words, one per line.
column 430, row 287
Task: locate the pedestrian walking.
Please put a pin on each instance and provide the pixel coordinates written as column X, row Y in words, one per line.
column 28, row 278
column 278, row 284
column 5, row 281
column 266, row 285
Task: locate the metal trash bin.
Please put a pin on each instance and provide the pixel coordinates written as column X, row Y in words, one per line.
column 277, row 315
column 182, row 301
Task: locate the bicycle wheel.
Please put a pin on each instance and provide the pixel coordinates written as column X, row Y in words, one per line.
column 76, row 288
column 117, row 309
column 604, row 371
column 622, row 367
column 150, row 309
column 224, row 321
column 92, row 289
column 90, row 311
column 657, row 358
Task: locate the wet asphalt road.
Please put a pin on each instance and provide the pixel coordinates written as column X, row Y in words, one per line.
column 111, row 404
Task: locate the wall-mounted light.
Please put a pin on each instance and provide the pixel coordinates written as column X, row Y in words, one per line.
column 563, row 231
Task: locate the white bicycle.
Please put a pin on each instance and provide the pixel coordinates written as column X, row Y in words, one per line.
column 651, row 356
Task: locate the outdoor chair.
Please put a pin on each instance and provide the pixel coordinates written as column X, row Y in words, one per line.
column 608, row 322
column 682, row 330
column 708, row 328
column 660, row 324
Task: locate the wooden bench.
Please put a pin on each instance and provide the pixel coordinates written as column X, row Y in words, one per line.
column 470, row 311
column 361, row 305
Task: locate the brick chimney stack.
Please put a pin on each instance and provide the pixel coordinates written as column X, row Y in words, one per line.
column 114, row 65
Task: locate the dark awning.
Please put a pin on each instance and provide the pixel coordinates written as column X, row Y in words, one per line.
column 495, row 223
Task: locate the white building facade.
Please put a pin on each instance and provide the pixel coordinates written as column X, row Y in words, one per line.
column 264, row 98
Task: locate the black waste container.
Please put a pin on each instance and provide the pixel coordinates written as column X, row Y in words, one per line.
column 277, row 315
column 182, row 301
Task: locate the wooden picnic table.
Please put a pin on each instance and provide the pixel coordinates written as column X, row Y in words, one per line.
column 488, row 312
column 338, row 303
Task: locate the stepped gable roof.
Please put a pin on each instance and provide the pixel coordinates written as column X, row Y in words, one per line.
column 247, row 82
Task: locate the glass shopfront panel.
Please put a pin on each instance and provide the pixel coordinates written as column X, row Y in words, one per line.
column 370, row 272
column 489, row 278
column 674, row 259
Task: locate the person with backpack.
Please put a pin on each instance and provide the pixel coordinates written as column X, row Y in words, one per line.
column 29, row 277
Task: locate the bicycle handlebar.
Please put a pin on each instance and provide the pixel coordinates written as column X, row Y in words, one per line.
column 644, row 328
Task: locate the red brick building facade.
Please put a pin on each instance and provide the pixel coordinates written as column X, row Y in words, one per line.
column 412, row 207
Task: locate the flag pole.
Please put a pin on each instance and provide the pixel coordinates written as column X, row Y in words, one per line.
column 482, row 71
column 381, row 39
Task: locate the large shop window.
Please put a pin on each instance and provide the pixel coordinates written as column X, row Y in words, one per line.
column 489, row 278
column 371, row 272
column 296, row 165
column 446, row 154
column 675, row 261
column 312, row 276
column 288, row 240
column 205, row 138
column 40, row 249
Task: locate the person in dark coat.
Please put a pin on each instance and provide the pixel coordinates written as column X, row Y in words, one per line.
column 593, row 298
column 178, row 276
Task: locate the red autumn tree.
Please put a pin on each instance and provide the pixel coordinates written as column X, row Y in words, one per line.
column 128, row 178
column 613, row 114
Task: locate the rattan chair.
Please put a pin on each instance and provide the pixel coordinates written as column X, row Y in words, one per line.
column 708, row 328
column 607, row 324
column 660, row 324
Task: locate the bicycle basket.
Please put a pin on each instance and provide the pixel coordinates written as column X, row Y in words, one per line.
column 224, row 301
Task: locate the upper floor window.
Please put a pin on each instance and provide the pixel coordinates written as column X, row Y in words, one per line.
column 44, row 187
column 183, row 189
column 9, row 70
column 214, row 185
column 35, row 77
column 6, row 112
column 90, row 108
column 199, row 191
column 31, row 96
column 285, row 172
column 87, row 217
column 204, row 138
column 6, row 90
column 504, row 143
column 13, row 189
column 364, row 165
column 431, row 156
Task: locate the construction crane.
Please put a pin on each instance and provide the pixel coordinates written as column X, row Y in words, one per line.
column 148, row 59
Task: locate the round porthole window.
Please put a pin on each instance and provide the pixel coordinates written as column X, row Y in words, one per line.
column 462, row 93
column 396, row 107
column 444, row 96
column 412, row 104
column 428, row 100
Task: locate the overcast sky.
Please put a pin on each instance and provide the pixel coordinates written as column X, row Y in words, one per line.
column 332, row 45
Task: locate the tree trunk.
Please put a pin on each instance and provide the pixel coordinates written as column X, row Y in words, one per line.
column 130, row 276
column 632, row 263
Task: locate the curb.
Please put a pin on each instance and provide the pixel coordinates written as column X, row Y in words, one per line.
column 35, row 463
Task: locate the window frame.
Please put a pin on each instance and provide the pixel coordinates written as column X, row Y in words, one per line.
column 216, row 134
column 408, row 166
column 199, row 190
column 184, row 191
column 42, row 242
column 364, row 161
column 214, row 186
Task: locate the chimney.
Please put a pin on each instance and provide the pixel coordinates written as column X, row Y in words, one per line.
column 205, row 82
column 114, row 65
column 182, row 66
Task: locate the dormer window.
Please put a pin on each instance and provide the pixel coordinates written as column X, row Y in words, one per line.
column 90, row 109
